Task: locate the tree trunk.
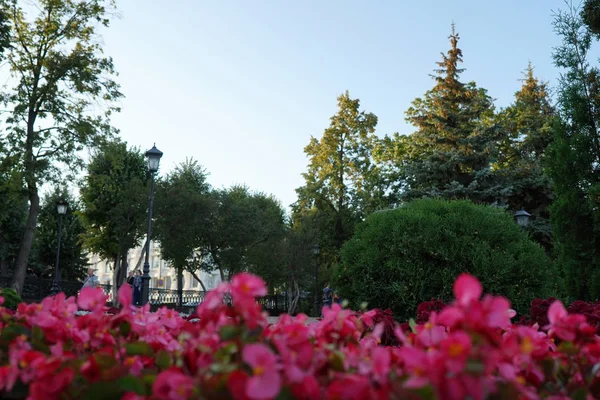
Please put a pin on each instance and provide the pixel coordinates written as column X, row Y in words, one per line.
column 199, row 280
column 115, row 285
column 142, row 255
column 26, row 241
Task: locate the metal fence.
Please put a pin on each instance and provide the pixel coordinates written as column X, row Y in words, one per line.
column 35, row 289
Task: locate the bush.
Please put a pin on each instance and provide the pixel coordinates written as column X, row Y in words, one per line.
column 400, row 258
column 11, row 298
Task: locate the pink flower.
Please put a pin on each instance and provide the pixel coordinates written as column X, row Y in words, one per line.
column 247, row 285
column 467, row 289
column 125, row 296
column 173, row 385
column 92, row 299
column 265, row 382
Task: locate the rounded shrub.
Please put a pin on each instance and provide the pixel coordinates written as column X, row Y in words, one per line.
column 399, row 258
column 11, row 298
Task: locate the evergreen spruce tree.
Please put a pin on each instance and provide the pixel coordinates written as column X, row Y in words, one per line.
column 574, row 159
column 449, row 154
column 520, row 167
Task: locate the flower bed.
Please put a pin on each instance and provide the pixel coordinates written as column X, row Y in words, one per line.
column 468, row 349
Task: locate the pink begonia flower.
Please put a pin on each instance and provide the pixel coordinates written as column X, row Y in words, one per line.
column 248, row 285
column 172, row 384
column 381, row 363
column 125, row 296
column 265, row 382
column 92, row 299
column 467, row 289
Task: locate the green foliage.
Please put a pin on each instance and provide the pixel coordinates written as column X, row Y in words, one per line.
column 342, row 183
column 73, row 258
column 11, row 298
column 520, row 161
column 183, row 208
column 114, row 197
column 399, row 258
column 60, row 74
column 245, row 232
column 449, row 154
column 574, row 159
column 13, row 212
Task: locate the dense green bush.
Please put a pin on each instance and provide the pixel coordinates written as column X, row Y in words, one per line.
column 11, row 298
column 401, row 257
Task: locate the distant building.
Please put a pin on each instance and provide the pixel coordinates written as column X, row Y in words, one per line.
column 160, row 271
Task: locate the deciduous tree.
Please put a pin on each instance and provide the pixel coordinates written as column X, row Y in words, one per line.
column 60, row 79
column 115, row 199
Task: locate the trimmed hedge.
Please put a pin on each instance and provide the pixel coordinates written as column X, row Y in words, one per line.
column 399, row 258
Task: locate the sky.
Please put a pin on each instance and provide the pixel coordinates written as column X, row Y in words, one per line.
column 241, row 86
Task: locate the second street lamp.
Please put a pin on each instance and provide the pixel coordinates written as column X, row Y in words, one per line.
column 61, row 209
column 153, row 155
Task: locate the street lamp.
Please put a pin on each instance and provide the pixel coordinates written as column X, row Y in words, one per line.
column 316, row 250
column 522, row 218
column 153, row 155
column 61, row 209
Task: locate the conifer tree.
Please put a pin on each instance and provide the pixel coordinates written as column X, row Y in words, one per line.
column 449, row 154
column 574, row 159
column 520, row 167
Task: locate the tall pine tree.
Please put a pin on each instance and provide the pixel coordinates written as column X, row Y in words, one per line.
column 574, row 159
column 520, row 166
column 449, row 154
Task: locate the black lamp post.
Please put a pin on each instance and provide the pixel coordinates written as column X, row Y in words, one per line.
column 522, row 218
column 316, row 250
column 61, row 208
column 153, row 156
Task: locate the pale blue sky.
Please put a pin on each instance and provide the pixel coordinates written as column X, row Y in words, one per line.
column 242, row 85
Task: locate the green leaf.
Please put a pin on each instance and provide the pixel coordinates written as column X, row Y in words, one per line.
column 12, row 331
column 229, row 332
column 125, row 329
column 413, row 325
column 336, row 360
column 163, row 359
column 580, row 394
column 475, row 367
column 223, row 368
column 132, row 384
column 102, row 391
column 139, row 349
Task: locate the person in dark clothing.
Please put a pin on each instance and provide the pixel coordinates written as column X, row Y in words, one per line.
column 137, row 288
column 327, row 296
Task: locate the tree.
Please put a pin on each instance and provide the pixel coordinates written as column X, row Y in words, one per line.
column 61, row 76
column 574, row 159
column 243, row 227
column 342, row 183
column 114, row 199
column 13, row 213
column 400, row 258
column 521, row 159
column 182, row 214
column 449, row 155
column 73, row 258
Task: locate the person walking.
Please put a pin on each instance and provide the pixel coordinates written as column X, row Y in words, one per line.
column 137, row 288
column 91, row 280
column 130, row 279
column 327, row 296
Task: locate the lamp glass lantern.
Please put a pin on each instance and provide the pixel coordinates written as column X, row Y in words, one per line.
column 61, row 207
column 522, row 217
column 153, row 155
column 316, row 249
